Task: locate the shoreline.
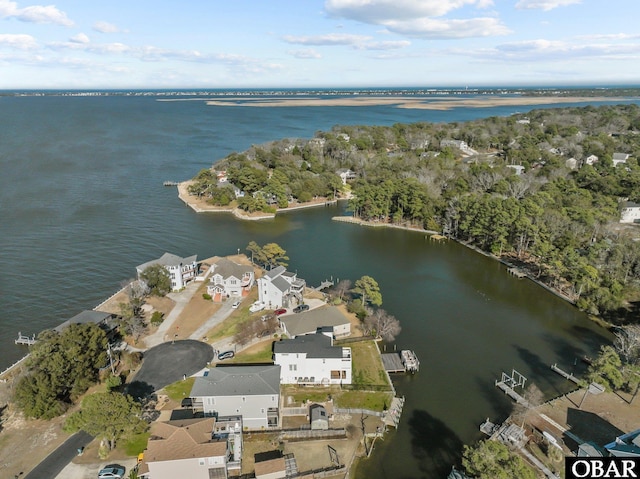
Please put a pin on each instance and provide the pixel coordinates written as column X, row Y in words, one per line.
column 430, row 233
column 201, row 206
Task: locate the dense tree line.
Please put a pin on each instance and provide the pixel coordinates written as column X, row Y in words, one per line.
column 559, row 220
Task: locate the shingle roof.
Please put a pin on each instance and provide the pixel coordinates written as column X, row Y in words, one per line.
column 277, row 271
column 309, row 321
column 238, row 381
column 314, row 345
column 227, row 268
column 281, row 283
column 87, row 316
column 168, row 259
column 170, row 441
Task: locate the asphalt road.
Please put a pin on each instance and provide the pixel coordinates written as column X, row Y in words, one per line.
column 171, row 361
column 55, row 462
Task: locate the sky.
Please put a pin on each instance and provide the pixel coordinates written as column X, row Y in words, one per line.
column 85, row 44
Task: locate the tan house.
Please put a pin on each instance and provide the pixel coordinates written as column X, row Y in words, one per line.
column 185, row 448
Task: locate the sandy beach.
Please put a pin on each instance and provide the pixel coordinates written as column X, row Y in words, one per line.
column 411, row 102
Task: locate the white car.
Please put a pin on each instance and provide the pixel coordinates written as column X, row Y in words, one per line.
column 257, row 306
column 112, row 471
column 235, row 305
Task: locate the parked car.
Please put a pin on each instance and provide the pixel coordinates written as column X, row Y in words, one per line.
column 300, row 308
column 257, row 306
column 235, row 304
column 226, row 355
column 280, row 311
column 112, row 471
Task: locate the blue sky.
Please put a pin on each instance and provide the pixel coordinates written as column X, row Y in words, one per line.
column 317, row 43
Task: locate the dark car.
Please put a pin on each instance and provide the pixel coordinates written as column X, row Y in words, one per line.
column 226, row 355
column 300, row 308
column 280, row 311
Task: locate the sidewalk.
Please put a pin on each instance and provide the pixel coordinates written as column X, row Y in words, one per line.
column 181, row 299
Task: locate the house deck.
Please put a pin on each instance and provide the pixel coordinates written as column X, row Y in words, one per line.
column 392, row 363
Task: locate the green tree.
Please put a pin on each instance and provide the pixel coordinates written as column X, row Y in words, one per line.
column 493, row 460
column 274, row 255
column 157, row 279
column 257, row 255
column 606, row 369
column 368, row 289
column 61, row 367
column 109, row 416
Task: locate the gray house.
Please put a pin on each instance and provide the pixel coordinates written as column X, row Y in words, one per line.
column 252, row 392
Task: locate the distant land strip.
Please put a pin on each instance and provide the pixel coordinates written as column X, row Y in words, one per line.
column 413, row 102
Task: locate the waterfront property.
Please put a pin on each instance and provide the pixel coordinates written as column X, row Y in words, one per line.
column 627, row 445
column 252, row 392
column 106, row 321
column 185, row 448
column 277, row 288
column 313, row 360
column 308, row 322
column 230, row 279
column 181, row 270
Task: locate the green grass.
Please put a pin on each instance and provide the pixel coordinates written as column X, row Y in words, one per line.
column 136, row 444
column 367, row 365
column 375, row 401
column 180, row 389
column 264, row 355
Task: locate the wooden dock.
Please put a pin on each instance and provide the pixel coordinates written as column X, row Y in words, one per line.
column 509, row 391
column 392, row 415
column 170, row 183
column 27, row 340
column 404, row 362
column 517, row 273
column 564, row 374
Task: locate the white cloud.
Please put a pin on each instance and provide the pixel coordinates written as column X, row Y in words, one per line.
column 545, row 5
column 386, row 45
column 307, row 54
column 441, row 28
column 381, row 11
column 79, row 38
column 18, row 41
column 106, row 27
column 328, row 39
column 34, row 13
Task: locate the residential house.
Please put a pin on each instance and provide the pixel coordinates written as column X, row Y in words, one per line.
column 308, row 322
column 619, row 158
column 346, row 174
column 312, row 359
column 107, row 321
column 185, row 448
column 462, row 145
column 278, row 288
column 275, row 465
column 519, row 169
column 571, row 163
column 627, row 445
column 230, row 279
column 590, row 160
column 630, row 212
column 181, row 270
column 252, row 392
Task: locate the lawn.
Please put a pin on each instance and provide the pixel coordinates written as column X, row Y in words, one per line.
column 229, row 327
column 261, row 352
column 136, row 444
column 367, row 365
column 180, row 389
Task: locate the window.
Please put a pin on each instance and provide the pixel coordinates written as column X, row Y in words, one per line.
column 344, row 375
column 293, row 367
column 201, row 461
column 335, row 374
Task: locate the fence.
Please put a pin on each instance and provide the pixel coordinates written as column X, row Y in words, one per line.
column 368, row 412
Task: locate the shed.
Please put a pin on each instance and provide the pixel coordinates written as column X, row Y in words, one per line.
column 319, row 417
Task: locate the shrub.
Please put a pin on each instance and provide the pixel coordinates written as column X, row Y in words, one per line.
column 157, row 317
column 206, row 296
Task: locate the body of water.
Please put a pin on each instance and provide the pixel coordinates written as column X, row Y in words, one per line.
column 82, row 204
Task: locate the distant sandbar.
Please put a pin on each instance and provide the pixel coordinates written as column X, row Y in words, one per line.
column 412, row 102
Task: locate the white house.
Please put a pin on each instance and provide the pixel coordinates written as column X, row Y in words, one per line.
column 519, row 169
column 619, row 158
column 312, row 359
column 252, row 392
column 181, row 270
column 278, row 288
column 571, row 163
column 346, row 174
column 185, row 448
column 630, row 212
column 308, row 322
column 230, row 279
column 590, row 160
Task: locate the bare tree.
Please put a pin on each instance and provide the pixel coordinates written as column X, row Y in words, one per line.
column 627, row 342
column 534, row 398
column 381, row 324
column 342, row 287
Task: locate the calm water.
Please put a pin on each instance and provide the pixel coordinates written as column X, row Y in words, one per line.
column 82, row 203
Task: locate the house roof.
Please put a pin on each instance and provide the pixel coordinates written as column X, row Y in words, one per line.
column 238, row 381
column 168, row 259
column 87, row 316
column 308, row 322
column 626, row 445
column 187, row 439
column 314, row 345
column 277, row 271
column 281, row 283
column 227, row 268
column 620, row 156
column 317, row 411
column 270, row 467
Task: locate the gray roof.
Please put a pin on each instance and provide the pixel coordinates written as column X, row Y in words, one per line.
column 314, row 345
column 87, row 316
column 277, row 271
column 281, row 283
column 238, row 381
column 168, row 259
column 309, row 321
column 227, row 268
column 620, row 156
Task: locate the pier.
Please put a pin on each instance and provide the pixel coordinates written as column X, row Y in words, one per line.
column 170, row 183
column 403, row 362
column 27, row 340
column 564, row 374
column 517, row 273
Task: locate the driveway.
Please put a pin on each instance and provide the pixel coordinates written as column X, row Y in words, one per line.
column 170, row 362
